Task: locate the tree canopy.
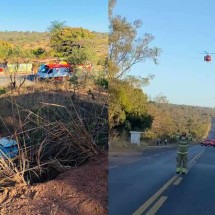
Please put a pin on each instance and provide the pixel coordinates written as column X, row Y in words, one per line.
column 126, row 47
column 66, row 39
column 125, row 101
column 128, row 103
column 76, row 44
column 56, row 26
column 5, row 49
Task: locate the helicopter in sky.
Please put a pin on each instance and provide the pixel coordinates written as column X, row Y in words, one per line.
column 207, row 56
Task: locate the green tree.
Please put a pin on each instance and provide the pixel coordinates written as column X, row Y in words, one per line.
column 16, row 55
column 66, row 39
column 138, row 81
column 126, row 47
column 128, row 103
column 39, row 52
column 56, row 26
column 76, row 44
column 139, row 122
column 82, row 56
column 125, row 99
column 6, row 49
column 19, row 55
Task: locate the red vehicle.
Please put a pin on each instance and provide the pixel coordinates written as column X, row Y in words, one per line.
column 208, row 57
column 208, row 142
column 1, row 68
column 212, row 143
column 59, row 65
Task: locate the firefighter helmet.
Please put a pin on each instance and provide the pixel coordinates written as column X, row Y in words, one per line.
column 184, row 134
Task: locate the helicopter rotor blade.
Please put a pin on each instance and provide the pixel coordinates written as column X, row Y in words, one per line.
column 207, row 53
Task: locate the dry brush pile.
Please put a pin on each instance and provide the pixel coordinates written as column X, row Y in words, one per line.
column 52, row 138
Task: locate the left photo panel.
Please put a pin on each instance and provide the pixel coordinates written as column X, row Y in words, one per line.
column 54, row 107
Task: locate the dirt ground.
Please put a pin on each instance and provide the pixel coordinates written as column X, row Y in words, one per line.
column 81, row 191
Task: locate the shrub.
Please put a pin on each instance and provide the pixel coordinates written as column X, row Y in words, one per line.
column 102, row 82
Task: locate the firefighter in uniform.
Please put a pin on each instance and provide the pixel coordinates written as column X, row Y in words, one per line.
column 182, row 154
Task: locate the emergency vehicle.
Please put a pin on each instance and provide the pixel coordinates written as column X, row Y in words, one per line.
column 55, row 71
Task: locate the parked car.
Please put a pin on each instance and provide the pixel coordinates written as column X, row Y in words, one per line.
column 54, row 71
column 205, row 143
column 208, row 142
column 212, row 143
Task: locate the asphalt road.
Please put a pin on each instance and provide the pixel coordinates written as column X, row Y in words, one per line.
column 134, row 179
column 195, row 194
column 147, row 184
column 5, row 80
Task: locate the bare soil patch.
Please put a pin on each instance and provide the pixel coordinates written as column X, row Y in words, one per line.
column 82, row 190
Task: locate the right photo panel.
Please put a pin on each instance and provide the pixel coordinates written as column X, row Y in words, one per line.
column 161, row 107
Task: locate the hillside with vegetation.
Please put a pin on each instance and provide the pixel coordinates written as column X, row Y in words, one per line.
column 170, row 120
column 32, row 40
column 24, row 52
column 59, row 126
column 26, row 39
column 130, row 107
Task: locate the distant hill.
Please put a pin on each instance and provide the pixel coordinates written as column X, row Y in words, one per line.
column 33, row 40
column 26, row 39
column 171, row 118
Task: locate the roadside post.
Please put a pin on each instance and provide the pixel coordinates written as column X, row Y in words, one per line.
column 135, row 137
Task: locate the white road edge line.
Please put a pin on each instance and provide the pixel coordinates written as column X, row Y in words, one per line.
column 113, row 167
column 193, row 161
column 198, row 155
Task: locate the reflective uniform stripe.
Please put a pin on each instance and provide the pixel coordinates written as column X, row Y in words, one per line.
column 178, row 169
column 183, row 145
column 184, row 170
column 182, row 153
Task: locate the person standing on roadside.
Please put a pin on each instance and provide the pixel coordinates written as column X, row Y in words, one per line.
column 182, row 153
column 158, row 141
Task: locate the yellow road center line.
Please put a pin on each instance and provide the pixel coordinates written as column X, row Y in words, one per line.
column 157, row 205
column 175, row 178
column 143, row 207
column 177, row 182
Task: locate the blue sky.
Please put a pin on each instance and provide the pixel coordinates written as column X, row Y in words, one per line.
column 183, row 30
column 36, row 15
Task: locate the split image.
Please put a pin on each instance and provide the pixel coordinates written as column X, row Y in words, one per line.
column 107, row 107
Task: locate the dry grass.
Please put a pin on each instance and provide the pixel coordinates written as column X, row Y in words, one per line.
column 122, row 144
column 51, row 136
